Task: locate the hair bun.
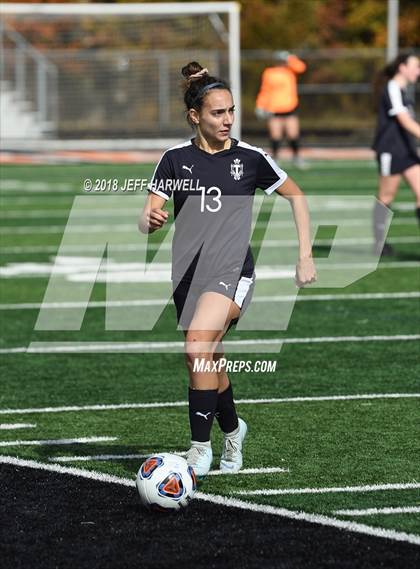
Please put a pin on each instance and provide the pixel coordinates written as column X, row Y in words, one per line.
column 191, row 69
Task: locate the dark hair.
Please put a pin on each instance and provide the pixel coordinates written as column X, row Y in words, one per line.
column 387, row 73
column 391, row 69
column 196, row 88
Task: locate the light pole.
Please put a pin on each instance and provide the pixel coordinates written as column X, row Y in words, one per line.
column 392, row 30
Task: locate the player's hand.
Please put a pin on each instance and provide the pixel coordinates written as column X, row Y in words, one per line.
column 261, row 113
column 305, row 272
column 156, row 218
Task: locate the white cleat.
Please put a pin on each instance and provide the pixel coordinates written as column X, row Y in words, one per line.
column 200, row 457
column 231, row 460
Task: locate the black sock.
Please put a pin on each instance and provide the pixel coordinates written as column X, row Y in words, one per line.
column 202, row 407
column 418, row 214
column 380, row 216
column 294, row 145
column 275, row 146
column 226, row 412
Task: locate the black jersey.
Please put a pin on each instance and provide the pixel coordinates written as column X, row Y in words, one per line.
column 390, row 136
column 213, row 195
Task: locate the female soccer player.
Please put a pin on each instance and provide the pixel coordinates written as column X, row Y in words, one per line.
column 212, row 264
column 395, row 142
column 277, row 101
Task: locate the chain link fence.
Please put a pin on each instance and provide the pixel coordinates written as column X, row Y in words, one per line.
column 93, row 82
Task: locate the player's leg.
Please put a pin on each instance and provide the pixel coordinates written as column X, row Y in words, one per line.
column 293, row 136
column 275, row 127
column 225, row 411
column 388, row 186
column 412, row 177
column 233, row 427
column 201, row 341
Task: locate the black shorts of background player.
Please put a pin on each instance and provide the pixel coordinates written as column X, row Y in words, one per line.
column 395, row 142
column 229, row 171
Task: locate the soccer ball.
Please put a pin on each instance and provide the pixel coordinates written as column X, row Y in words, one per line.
column 166, row 482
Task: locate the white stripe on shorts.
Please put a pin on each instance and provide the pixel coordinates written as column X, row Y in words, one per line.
column 242, row 290
column 385, row 162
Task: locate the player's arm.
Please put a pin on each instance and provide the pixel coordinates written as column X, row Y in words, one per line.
column 408, row 123
column 153, row 216
column 305, row 268
column 399, row 110
column 261, row 100
column 296, row 64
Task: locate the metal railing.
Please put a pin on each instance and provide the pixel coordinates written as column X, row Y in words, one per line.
column 134, row 93
column 32, row 76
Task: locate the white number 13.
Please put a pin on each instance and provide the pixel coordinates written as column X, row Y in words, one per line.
column 216, row 198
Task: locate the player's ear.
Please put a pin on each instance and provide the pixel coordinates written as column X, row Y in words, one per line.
column 194, row 117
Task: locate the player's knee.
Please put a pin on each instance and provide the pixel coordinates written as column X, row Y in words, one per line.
column 386, row 198
column 198, row 345
column 386, row 195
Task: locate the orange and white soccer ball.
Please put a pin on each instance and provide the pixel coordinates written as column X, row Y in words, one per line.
column 166, row 482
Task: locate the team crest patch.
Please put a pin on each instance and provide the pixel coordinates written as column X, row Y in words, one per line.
column 237, row 169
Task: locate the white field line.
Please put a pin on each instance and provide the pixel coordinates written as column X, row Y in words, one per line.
column 135, row 272
column 13, row 201
column 129, row 227
column 166, row 246
column 362, row 163
column 16, row 184
column 340, row 241
column 36, row 187
column 57, row 441
column 79, row 270
column 121, row 347
column 164, row 301
column 379, row 511
column 168, row 404
column 311, row 518
column 228, row 502
column 127, row 347
column 105, row 457
column 328, row 490
column 332, row 205
column 267, row 470
column 13, row 426
column 51, row 229
column 64, row 213
column 67, row 470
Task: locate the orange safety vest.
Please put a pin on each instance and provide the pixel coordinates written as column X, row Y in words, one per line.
column 278, row 91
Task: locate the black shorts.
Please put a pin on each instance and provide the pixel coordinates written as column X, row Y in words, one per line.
column 288, row 114
column 390, row 164
column 186, row 295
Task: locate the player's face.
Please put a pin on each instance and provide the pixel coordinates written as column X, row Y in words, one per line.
column 217, row 115
column 411, row 69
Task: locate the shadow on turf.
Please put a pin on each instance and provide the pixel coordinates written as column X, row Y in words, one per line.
column 402, row 256
column 50, row 520
column 323, row 252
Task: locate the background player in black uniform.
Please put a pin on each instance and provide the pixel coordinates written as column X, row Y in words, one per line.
column 395, row 141
column 212, row 265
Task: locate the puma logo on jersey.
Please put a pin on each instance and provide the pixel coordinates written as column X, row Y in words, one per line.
column 188, row 168
column 205, row 415
column 225, row 285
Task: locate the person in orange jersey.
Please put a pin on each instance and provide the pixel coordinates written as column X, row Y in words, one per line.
column 277, row 101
